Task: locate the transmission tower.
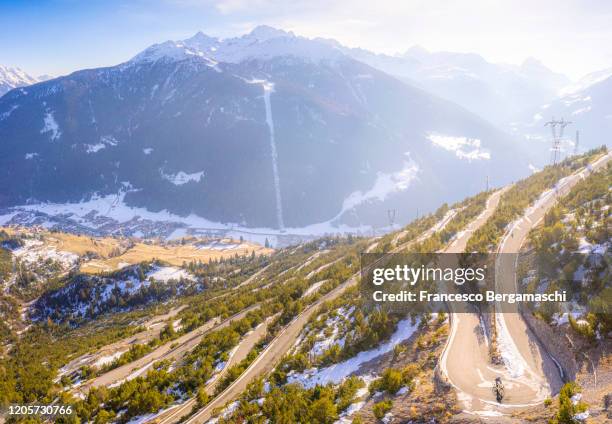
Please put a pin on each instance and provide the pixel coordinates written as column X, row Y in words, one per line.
column 555, row 153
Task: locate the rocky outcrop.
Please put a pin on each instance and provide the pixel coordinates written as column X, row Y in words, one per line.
column 556, row 345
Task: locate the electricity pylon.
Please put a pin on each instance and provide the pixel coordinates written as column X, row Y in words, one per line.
column 555, row 153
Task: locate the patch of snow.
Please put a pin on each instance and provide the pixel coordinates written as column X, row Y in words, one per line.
column 113, row 207
column 4, row 219
column 338, row 372
column 147, row 150
column 533, row 168
column 30, row 155
column 226, row 412
column 464, row 147
column 5, row 115
column 50, row 126
column 105, row 360
column 385, row 185
column 109, row 140
column 94, row 148
column 182, row 177
column 220, row 366
column 35, row 251
column 563, row 318
column 105, row 140
column 513, row 360
column 402, row 391
column 142, row 419
column 582, row 416
column 167, row 273
column 586, row 82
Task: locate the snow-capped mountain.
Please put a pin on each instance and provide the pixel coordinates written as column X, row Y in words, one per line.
column 587, row 104
column 14, row 77
column 498, row 92
column 586, row 81
column 264, row 130
column 263, row 43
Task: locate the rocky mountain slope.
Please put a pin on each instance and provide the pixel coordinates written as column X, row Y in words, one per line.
column 499, row 93
column 14, row 77
column 587, row 105
column 265, row 130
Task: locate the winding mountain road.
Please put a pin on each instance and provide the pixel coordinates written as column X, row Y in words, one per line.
column 529, row 373
column 171, row 350
column 280, row 345
column 178, row 412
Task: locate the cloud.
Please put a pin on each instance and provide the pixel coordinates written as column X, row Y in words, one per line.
column 233, row 6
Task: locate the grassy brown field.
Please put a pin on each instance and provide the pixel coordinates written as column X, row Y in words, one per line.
column 103, row 254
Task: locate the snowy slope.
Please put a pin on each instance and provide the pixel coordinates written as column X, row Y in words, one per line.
column 587, row 104
column 263, row 43
column 496, row 91
column 14, row 77
column 267, row 130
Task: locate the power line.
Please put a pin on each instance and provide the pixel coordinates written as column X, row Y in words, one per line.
column 555, row 154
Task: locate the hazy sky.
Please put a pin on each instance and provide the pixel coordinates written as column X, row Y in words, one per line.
column 60, row 36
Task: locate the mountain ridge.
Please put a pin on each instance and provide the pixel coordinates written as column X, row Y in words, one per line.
column 13, row 77
column 181, row 131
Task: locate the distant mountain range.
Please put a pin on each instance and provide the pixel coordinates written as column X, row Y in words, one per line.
column 496, row 92
column 265, row 130
column 586, row 104
column 14, row 77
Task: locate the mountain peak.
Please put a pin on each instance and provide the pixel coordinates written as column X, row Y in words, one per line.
column 535, row 65
column 13, row 77
column 263, row 42
column 416, row 51
column 200, row 36
column 266, row 32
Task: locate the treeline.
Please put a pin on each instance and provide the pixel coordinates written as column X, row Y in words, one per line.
column 292, row 403
column 583, row 214
column 523, row 193
column 28, row 371
column 163, row 384
column 7, row 243
column 226, row 272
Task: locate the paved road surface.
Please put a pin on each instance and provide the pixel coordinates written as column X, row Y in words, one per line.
column 153, row 327
column 534, row 375
column 172, row 350
column 242, row 350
